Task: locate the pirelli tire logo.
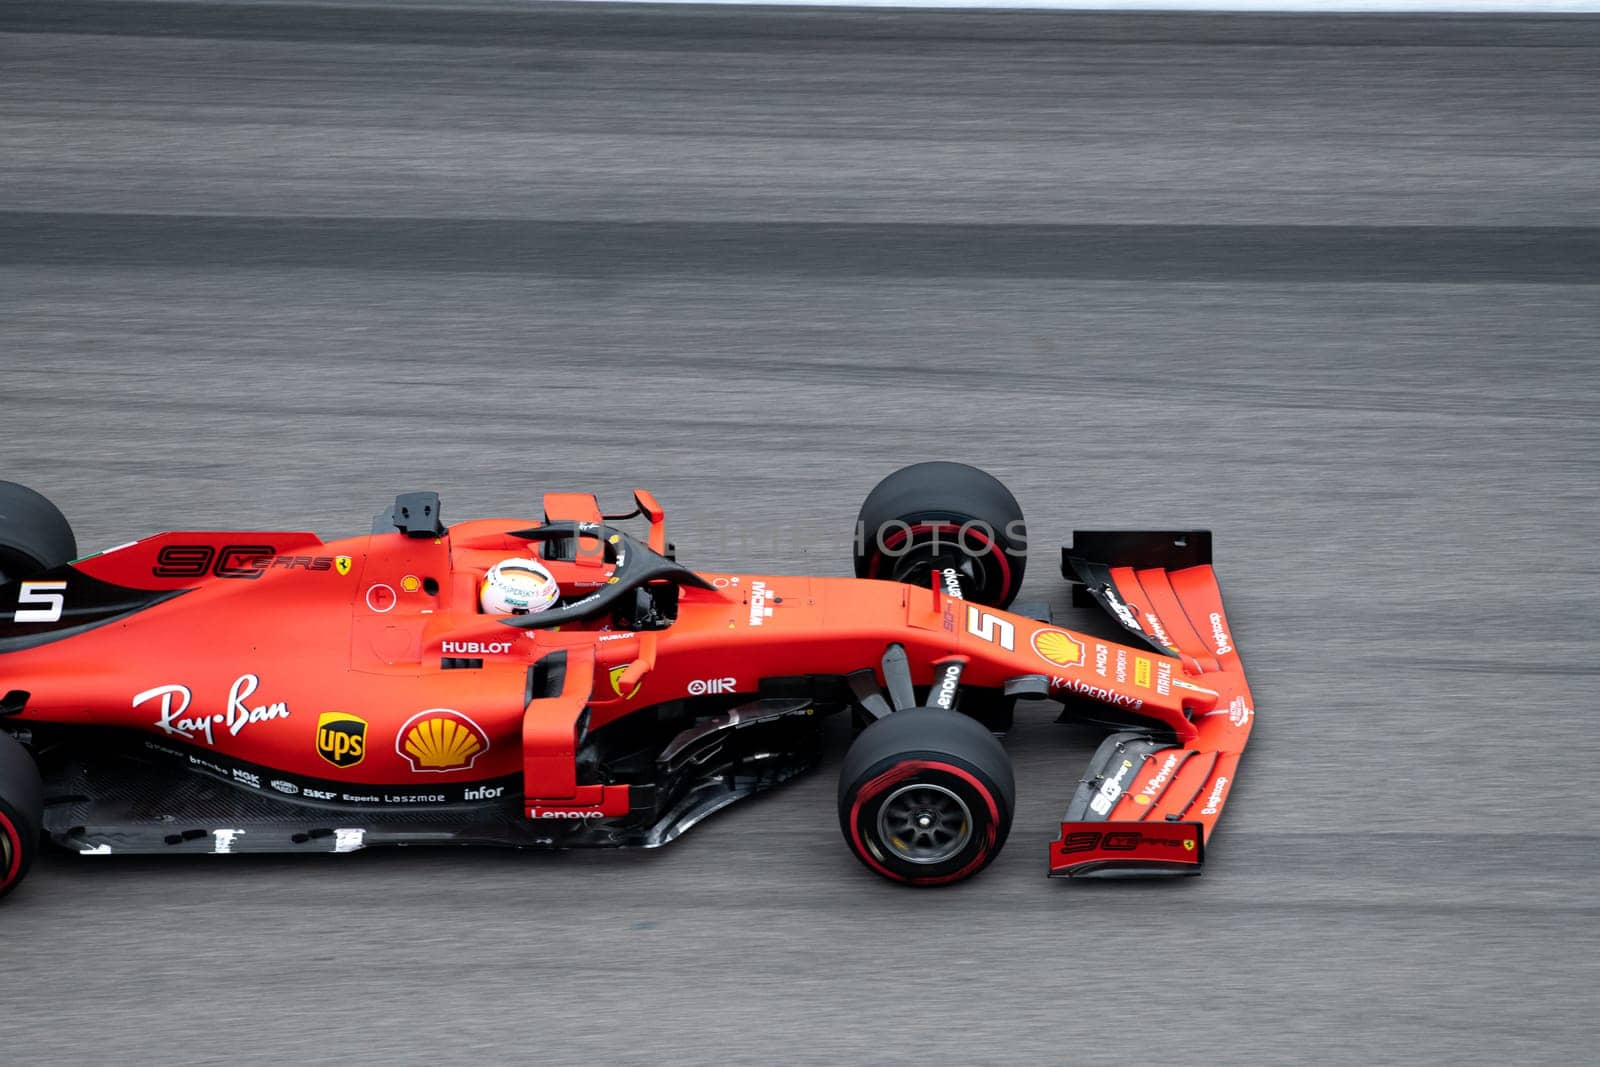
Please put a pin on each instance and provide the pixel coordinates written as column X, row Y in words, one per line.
column 341, row 738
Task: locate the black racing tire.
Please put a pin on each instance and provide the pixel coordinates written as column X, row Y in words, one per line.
column 926, row 797
column 21, row 812
column 931, row 515
column 34, row 536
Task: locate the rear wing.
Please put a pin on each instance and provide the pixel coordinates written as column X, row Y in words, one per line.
column 1148, row 803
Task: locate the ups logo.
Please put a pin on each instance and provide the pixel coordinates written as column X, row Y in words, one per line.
column 341, row 738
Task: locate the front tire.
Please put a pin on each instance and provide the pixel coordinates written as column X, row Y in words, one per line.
column 34, row 536
column 926, row 797
column 21, row 812
column 931, row 516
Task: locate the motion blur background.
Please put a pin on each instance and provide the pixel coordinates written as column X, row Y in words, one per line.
column 1326, row 285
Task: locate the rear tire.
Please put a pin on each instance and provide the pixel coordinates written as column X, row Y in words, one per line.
column 21, row 812
column 926, row 797
column 34, row 536
column 930, row 516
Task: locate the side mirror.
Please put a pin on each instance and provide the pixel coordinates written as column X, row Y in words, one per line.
column 658, row 520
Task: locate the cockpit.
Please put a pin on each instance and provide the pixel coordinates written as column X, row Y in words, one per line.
column 606, row 576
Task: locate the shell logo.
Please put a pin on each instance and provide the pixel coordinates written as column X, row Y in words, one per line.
column 441, row 740
column 1057, row 648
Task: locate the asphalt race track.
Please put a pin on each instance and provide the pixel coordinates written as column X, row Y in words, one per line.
column 1328, row 286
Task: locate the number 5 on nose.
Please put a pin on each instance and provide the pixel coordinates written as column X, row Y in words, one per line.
column 51, row 594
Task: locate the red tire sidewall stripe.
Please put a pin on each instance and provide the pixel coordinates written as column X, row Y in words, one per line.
column 8, row 828
column 899, row 773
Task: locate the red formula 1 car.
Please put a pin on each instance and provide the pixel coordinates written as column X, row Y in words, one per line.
column 270, row 692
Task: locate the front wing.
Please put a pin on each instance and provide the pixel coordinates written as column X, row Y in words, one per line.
column 1150, row 800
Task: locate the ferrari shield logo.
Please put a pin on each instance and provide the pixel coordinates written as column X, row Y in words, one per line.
column 616, row 683
column 1188, row 845
column 341, row 564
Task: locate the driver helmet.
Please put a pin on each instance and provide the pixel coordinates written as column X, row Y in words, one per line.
column 517, row 587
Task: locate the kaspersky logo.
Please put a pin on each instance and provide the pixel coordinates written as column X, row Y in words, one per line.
column 341, row 738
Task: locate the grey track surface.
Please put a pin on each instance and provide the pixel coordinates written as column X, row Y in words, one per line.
column 1330, row 287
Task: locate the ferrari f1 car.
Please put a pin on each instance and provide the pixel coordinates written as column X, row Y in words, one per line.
column 271, row 692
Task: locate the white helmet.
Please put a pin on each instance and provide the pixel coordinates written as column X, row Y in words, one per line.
column 517, row 587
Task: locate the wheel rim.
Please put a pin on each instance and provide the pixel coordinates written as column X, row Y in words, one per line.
column 912, row 555
column 971, row 570
column 5, row 856
column 924, row 824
